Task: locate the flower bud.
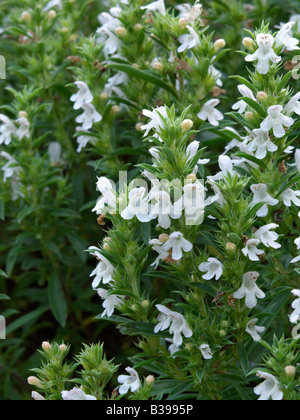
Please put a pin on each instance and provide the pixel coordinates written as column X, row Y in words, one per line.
column 249, row 116
column 150, row 379
column 230, row 246
column 63, row 347
column 23, row 114
column 34, row 381
column 158, row 66
column 65, row 29
column 186, row 125
column 188, row 347
column 37, row 397
column 103, row 96
column 73, row 38
column 46, row 346
column 191, row 177
column 51, row 14
column 121, row 32
column 136, row 66
column 115, row 109
column 262, row 96
column 145, row 304
column 248, row 43
column 183, row 22
column 222, row 333
column 164, row 237
column 290, row 371
column 26, row 16
column 138, row 27
column 139, row 126
column 219, row 44
column 225, row 324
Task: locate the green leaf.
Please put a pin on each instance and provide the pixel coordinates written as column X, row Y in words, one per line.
column 25, row 319
column 252, row 159
column 2, row 210
column 78, row 246
column 253, row 104
column 57, row 300
column 284, row 81
column 143, row 75
column 4, row 297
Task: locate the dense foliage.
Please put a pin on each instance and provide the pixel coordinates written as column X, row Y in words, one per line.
column 170, row 103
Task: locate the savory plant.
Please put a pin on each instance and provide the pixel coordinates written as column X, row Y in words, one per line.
column 193, row 147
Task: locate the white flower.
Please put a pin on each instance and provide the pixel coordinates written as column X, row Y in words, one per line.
column 89, row 117
column 283, row 38
column 254, row 330
column 293, row 105
column 24, row 128
column 269, row 388
column 213, row 268
column 241, row 105
column 83, row 96
column 250, row 290
column 294, row 317
column 297, row 159
column 260, row 192
column 261, row 143
column 208, row 112
column 172, row 348
column 112, row 85
column 138, row 206
column 296, row 18
column 216, row 74
column 175, row 322
column 156, row 122
column 218, row 197
column 289, row 196
column 226, row 166
column 206, row 351
column 106, row 33
column 10, row 168
column 264, row 54
column 251, row 250
column 267, row 237
column 37, row 397
column 188, row 41
column 276, row 121
column 190, row 13
column 297, row 243
column 157, row 5
column 104, row 271
column 76, row 394
column 52, row 4
column 83, row 140
column 162, row 208
column 162, row 253
column 7, row 130
column 131, row 382
column 191, row 151
column 192, row 202
column 54, row 152
column 111, row 302
column 177, row 243
column 107, row 202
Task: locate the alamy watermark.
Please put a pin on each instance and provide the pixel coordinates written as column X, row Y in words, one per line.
column 296, row 68
column 2, row 68
column 163, row 199
column 2, row 328
column 296, row 332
